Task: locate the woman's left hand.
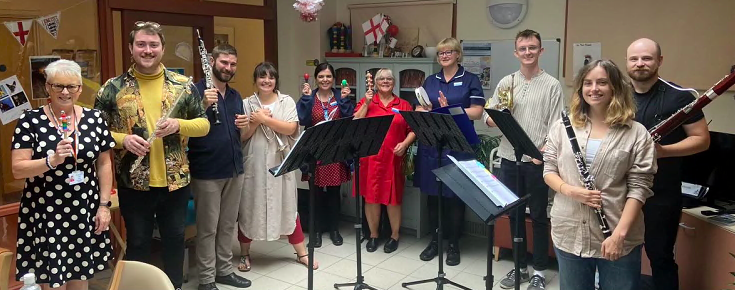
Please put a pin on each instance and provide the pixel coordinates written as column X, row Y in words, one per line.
column 400, row 149
column 612, row 247
column 102, row 220
column 442, row 100
column 345, row 92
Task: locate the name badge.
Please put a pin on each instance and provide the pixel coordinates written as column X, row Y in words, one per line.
column 457, row 84
column 395, row 110
column 76, row 177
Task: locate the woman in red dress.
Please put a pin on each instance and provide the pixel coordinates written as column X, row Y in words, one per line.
column 326, row 103
column 381, row 175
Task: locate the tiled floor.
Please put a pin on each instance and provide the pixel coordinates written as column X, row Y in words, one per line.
column 275, row 268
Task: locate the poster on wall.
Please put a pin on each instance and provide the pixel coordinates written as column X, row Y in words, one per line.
column 476, row 59
column 38, row 75
column 14, row 100
column 585, row 53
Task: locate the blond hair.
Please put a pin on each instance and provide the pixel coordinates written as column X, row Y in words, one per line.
column 450, row 43
column 621, row 108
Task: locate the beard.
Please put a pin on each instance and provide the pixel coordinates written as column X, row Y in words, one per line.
column 221, row 77
column 642, row 75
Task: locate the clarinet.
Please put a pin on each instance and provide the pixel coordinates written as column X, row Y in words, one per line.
column 587, row 179
column 667, row 126
column 207, row 68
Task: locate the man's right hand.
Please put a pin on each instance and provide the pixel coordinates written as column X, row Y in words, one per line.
column 210, row 97
column 136, row 145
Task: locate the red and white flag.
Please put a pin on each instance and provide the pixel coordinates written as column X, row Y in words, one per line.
column 374, row 28
column 51, row 23
column 20, row 29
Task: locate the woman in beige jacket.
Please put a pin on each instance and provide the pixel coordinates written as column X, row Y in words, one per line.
column 621, row 158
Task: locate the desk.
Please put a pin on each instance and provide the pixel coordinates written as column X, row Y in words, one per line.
column 702, row 252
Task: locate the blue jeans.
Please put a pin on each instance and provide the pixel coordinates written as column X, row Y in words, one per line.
column 577, row 273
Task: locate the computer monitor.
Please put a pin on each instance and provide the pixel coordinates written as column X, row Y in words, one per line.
column 714, row 168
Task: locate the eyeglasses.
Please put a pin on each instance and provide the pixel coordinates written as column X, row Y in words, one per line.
column 388, row 79
column 445, row 53
column 530, row 48
column 58, row 88
column 139, row 24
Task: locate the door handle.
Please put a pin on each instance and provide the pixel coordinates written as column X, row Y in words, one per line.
column 686, row 227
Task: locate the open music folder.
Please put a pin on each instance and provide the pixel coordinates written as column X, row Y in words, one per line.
column 486, row 181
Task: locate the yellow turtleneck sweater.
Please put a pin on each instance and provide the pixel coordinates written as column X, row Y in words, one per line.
column 151, row 90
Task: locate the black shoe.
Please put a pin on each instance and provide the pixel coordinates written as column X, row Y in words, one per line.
column 233, row 280
column 317, row 240
column 390, row 246
column 453, row 254
column 372, row 245
column 336, row 238
column 430, row 252
column 208, row 286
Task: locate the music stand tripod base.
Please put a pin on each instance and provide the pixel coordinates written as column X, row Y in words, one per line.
column 441, row 132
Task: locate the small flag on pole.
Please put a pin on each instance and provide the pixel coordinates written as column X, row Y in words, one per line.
column 374, row 28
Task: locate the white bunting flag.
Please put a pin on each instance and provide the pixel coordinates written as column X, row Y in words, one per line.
column 51, row 23
column 21, row 30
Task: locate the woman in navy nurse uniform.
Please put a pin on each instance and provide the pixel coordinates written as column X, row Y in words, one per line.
column 452, row 85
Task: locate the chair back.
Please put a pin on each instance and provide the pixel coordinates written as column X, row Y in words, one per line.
column 132, row 275
column 6, row 258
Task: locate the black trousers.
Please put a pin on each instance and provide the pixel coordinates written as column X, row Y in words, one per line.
column 661, row 214
column 139, row 208
column 538, row 201
column 452, row 216
column 328, row 206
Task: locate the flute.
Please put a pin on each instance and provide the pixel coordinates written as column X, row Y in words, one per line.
column 587, row 179
column 164, row 117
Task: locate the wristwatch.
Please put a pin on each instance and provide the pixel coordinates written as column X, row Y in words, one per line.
column 107, row 204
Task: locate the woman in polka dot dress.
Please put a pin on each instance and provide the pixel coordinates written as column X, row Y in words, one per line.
column 64, row 211
column 322, row 104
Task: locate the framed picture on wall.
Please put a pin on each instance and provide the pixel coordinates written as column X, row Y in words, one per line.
column 38, row 75
column 224, row 35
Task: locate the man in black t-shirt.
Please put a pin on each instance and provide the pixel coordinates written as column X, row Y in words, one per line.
column 657, row 100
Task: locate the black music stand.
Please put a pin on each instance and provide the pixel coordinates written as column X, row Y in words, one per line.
column 438, row 131
column 481, row 204
column 522, row 145
column 361, row 138
column 310, row 148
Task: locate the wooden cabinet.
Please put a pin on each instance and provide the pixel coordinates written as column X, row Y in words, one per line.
column 409, row 73
column 703, row 253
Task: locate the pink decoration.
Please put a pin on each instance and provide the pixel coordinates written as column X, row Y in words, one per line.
column 308, row 9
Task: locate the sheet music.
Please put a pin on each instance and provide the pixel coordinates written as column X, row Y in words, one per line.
column 486, row 181
column 693, row 190
column 277, row 170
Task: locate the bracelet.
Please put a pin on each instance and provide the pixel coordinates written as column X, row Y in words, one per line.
column 562, row 184
column 48, row 164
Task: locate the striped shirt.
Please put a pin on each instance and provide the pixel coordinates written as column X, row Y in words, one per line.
column 537, row 103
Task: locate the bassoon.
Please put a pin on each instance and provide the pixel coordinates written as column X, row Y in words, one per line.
column 587, row 179
column 667, row 126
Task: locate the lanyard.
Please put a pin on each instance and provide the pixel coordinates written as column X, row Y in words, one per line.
column 326, row 109
column 74, row 153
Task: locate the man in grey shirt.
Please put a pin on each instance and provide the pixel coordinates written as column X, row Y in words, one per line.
column 537, row 102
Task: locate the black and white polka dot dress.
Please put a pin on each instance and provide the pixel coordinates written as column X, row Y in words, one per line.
column 56, row 238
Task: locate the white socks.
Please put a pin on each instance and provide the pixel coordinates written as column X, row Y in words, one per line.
column 539, row 273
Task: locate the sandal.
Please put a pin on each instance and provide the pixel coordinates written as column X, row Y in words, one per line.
column 244, row 263
column 300, row 261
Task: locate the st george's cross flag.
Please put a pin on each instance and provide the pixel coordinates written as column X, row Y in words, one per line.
column 21, row 30
column 374, row 28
